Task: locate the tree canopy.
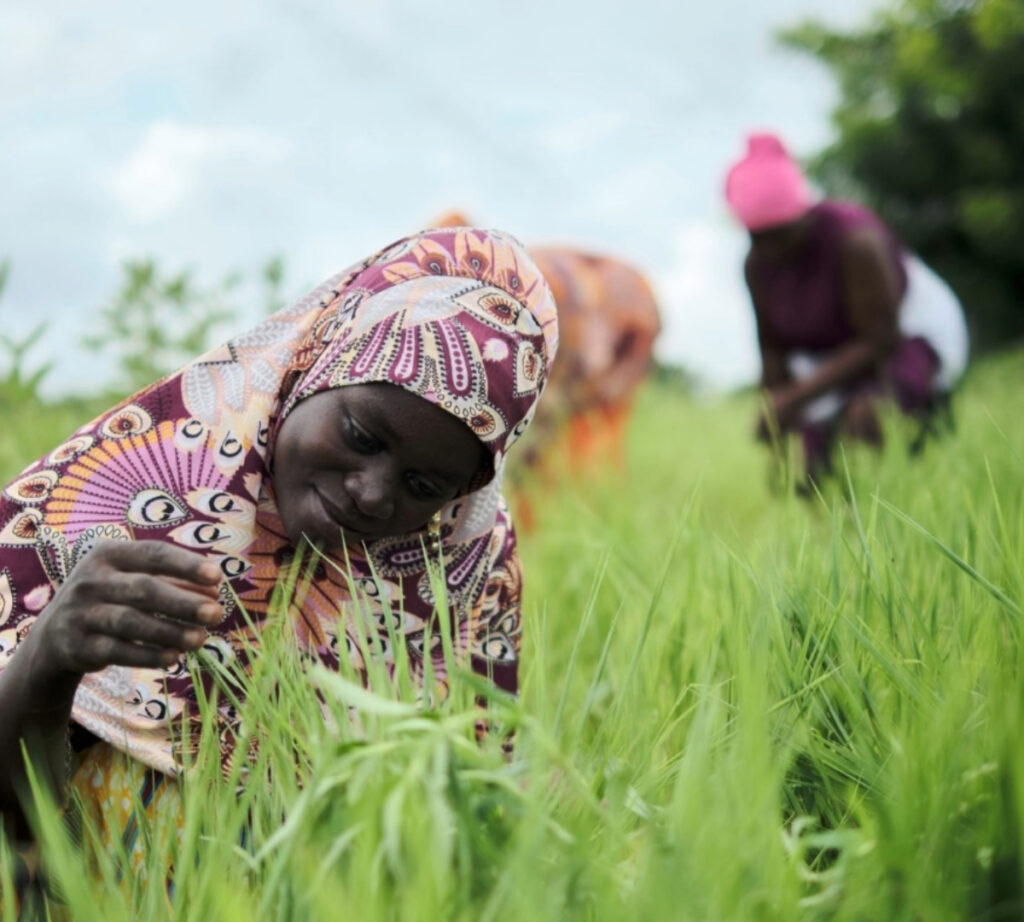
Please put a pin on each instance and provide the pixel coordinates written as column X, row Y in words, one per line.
column 930, row 133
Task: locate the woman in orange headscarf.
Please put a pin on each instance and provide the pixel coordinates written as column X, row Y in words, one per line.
column 608, row 322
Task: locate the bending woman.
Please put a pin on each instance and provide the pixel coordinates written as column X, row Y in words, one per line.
column 844, row 313
column 371, row 416
column 608, row 320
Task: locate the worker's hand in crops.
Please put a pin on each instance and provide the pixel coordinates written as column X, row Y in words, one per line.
column 128, row 603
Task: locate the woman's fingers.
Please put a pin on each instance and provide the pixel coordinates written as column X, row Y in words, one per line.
column 152, row 576
column 102, row 650
column 130, row 604
column 153, row 594
column 212, row 592
column 158, row 558
column 128, row 624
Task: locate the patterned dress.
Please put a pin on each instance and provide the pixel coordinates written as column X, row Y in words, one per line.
column 460, row 317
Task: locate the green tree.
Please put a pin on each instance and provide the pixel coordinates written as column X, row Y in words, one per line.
column 157, row 322
column 19, row 385
column 930, row 133
column 272, row 280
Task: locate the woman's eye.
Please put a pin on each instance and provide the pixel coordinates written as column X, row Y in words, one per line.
column 360, row 439
column 423, row 488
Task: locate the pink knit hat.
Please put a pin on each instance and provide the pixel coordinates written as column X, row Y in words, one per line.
column 767, row 188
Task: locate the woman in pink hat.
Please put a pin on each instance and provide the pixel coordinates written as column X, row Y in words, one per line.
column 844, row 314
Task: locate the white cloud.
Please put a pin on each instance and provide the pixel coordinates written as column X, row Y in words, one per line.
column 578, row 134
column 26, row 38
column 173, row 159
column 634, row 188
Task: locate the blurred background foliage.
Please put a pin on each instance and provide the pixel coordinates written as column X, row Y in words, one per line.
column 155, row 323
column 929, row 132
column 17, row 382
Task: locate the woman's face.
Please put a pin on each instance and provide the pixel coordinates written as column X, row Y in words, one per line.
column 779, row 243
column 370, row 461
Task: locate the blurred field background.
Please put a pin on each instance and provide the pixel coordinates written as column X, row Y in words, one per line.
column 737, row 704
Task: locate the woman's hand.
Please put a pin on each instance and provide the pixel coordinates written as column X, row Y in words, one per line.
column 131, row 603
column 137, row 603
column 781, row 413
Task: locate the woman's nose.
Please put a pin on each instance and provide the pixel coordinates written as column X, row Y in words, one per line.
column 373, row 490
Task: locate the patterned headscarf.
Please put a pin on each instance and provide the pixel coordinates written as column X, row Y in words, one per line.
column 461, row 317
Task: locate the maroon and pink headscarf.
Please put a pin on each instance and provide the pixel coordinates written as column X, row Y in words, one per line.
column 462, row 318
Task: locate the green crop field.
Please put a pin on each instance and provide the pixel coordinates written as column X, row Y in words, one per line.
column 737, row 705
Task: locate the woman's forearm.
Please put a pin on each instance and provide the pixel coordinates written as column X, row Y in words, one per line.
column 36, row 706
column 774, row 371
column 844, row 366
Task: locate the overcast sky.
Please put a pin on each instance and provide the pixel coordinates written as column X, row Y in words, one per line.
column 215, row 135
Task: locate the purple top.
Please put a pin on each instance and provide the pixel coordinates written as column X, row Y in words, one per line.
column 801, row 300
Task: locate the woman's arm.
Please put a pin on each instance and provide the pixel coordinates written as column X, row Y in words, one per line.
column 774, row 372
column 872, row 297
column 36, row 705
column 137, row 604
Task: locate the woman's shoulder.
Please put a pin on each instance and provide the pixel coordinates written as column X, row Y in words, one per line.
column 847, row 216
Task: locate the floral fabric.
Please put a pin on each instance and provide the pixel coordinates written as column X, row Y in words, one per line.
column 459, row 316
